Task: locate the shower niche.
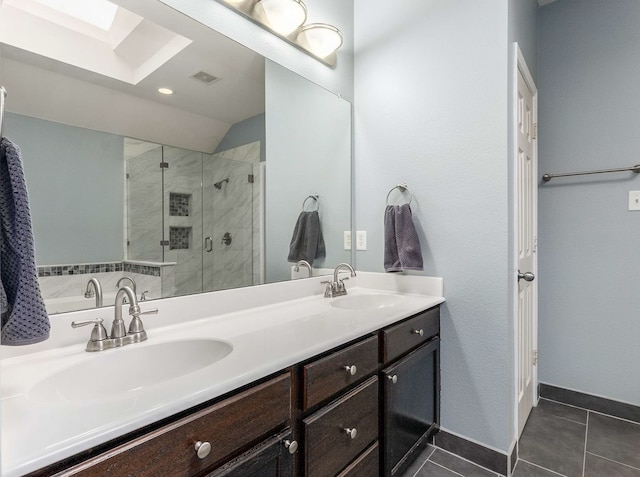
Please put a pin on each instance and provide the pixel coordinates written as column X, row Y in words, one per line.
column 183, row 206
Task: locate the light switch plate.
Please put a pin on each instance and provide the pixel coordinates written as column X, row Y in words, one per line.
column 347, row 239
column 361, row 240
column 634, row 200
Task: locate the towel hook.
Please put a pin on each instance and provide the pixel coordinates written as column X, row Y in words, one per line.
column 314, row 197
column 402, row 188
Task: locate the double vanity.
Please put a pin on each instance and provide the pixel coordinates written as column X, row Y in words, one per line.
column 242, row 382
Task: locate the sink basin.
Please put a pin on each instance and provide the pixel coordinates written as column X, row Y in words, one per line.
column 369, row 301
column 123, row 370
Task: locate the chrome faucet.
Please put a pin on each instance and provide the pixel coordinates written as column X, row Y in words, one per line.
column 94, row 289
column 303, row 263
column 100, row 341
column 336, row 287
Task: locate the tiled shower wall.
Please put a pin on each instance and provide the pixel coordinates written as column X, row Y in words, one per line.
column 188, row 180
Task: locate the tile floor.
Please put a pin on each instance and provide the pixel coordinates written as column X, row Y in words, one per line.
column 558, row 440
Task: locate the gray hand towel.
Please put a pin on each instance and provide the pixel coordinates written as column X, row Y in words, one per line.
column 307, row 242
column 24, row 317
column 401, row 243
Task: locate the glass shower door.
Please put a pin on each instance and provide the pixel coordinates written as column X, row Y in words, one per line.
column 228, row 255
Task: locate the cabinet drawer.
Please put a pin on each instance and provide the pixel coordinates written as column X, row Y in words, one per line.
column 328, row 447
column 400, row 338
column 229, row 426
column 327, row 376
column 366, row 465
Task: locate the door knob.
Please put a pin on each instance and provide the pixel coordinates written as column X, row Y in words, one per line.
column 528, row 276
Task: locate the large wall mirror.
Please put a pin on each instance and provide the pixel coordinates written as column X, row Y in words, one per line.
column 189, row 192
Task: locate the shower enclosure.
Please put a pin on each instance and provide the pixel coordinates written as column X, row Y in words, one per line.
column 195, row 215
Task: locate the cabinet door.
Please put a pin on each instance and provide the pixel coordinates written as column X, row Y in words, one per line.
column 269, row 459
column 411, row 403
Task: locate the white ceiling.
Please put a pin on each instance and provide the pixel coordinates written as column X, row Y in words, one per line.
column 197, row 116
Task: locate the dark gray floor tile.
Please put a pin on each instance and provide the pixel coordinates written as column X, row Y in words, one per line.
column 433, row 470
column 461, row 466
column 597, row 467
column 525, row 469
column 419, row 460
column 564, row 411
column 614, row 439
column 553, row 443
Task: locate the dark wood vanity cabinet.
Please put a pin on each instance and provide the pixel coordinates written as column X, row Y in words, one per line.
column 229, row 427
column 410, row 385
column 271, row 458
column 360, row 410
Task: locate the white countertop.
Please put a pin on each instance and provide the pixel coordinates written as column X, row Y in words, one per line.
column 267, row 335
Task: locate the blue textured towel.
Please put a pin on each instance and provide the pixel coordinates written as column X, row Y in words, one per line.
column 401, row 243
column 24, row 317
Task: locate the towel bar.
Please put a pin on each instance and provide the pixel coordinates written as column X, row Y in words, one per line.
column 314, row 197
column 548, row 177
column 402, row 188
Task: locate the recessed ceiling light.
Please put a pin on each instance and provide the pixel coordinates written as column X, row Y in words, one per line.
column 165, row 91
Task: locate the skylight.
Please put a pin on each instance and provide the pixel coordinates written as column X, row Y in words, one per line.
column 99, row 13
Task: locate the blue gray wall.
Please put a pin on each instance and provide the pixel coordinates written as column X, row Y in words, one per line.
column 309, row 152
column 245, row 132
column 588, row 77
column 431, row 110
column 75, row 179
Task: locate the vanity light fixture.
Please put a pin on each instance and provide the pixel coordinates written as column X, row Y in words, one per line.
column 282, row 16
column 285, row 19
column 166, row 91
column 320, row 38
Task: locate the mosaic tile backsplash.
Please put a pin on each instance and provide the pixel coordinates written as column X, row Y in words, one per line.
column 91, row 268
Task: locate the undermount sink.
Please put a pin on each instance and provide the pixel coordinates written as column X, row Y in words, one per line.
column 369, row 301
column 124, row 370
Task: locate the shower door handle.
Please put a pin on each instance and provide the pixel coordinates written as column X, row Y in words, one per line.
column 528, row 276
column 208, row 244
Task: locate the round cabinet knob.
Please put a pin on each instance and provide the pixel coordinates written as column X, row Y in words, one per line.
column 351, row 432
column 203, row 449
column 352, row 370
column 418, row 332
column 292, row 446
column 393, row 378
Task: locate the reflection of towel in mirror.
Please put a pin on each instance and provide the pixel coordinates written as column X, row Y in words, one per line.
column 401, row 242
column 24, row 317
column 307, row 242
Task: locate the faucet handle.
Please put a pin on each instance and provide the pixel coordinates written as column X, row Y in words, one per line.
column 98, row 333
column 328, row 289
column 153, row 311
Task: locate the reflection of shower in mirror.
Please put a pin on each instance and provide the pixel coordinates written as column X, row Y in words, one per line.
column 218, row 185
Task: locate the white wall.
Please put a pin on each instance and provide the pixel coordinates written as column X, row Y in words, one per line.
column 589, row 71
column 431, row 110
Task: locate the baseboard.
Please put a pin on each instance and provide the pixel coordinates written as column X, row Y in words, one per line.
column 472, row 451
column 591, row 402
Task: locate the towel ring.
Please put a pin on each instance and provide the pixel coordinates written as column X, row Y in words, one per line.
column 314, row 197
column 402, row 188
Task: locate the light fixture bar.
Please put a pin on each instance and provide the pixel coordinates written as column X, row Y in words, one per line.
column 297, row 37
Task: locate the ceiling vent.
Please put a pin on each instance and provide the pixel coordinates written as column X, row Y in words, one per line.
column 205, row 77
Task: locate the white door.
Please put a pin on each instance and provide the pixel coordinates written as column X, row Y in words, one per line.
column 526, row 230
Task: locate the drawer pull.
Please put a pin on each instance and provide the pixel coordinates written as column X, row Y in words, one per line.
column 393, row 378
column 292, row 446
column 352, row 370
column 203, row 449
column 418, row 332
column 351, row 432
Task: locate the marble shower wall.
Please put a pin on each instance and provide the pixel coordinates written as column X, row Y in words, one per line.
column 237, row 209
